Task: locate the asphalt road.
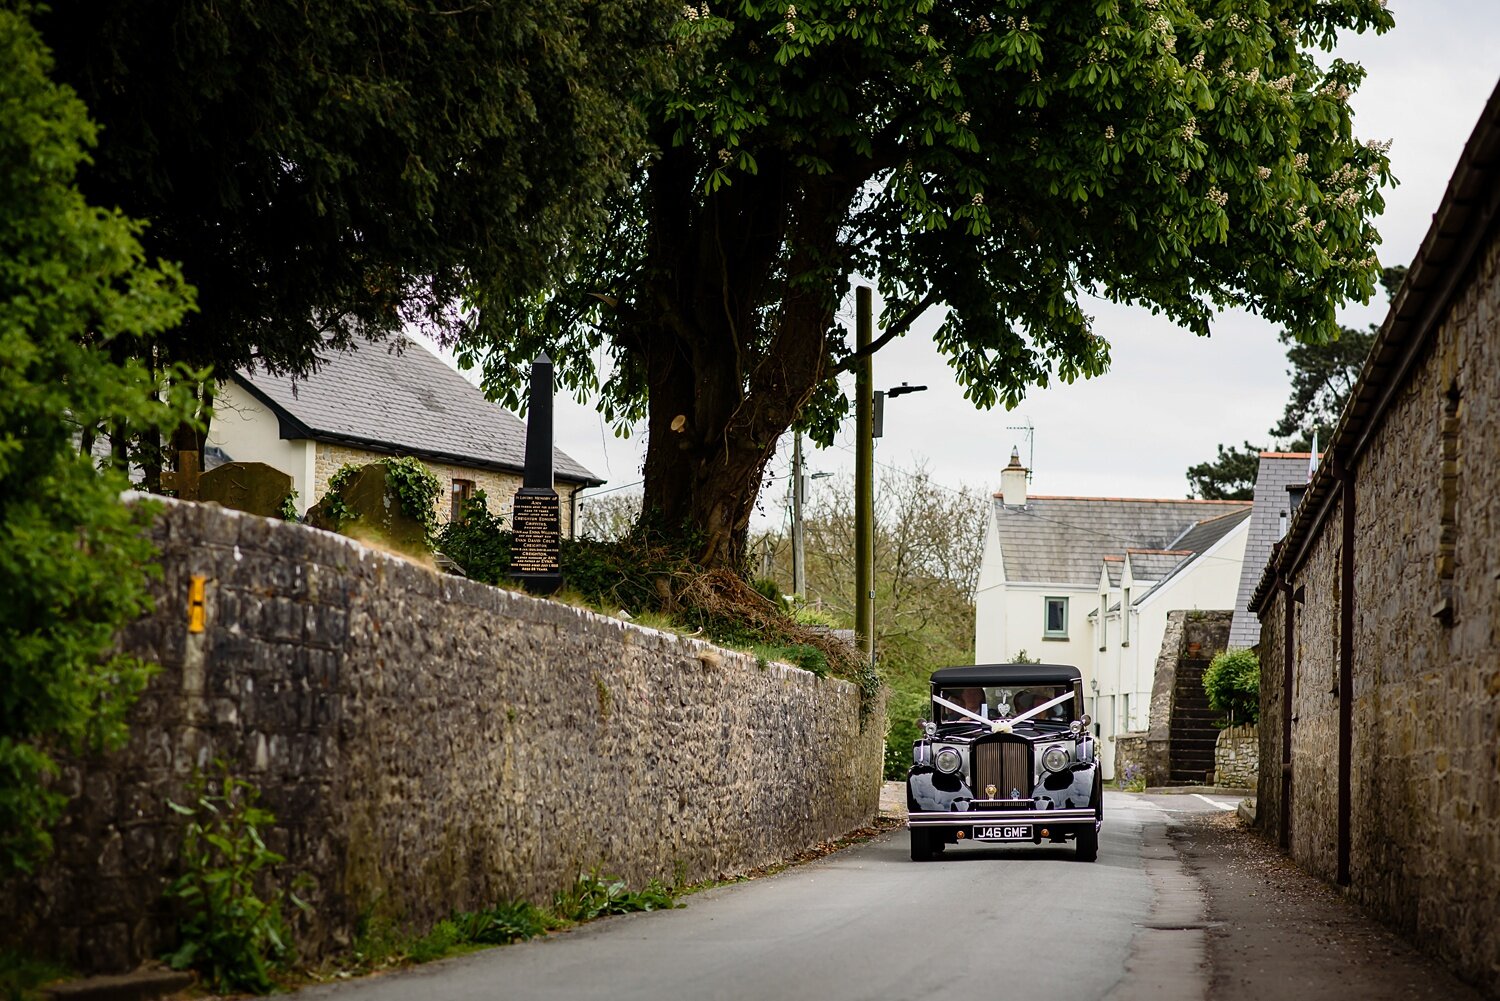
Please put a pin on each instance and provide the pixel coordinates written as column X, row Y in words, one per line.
column 868, row 923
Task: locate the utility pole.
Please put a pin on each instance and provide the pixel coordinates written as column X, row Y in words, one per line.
column 799, row 498
column 864, row 478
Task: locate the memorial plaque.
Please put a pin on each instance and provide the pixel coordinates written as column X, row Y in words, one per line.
column 537, row 526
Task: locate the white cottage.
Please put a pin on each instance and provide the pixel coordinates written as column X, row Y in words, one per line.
column 1088, row 581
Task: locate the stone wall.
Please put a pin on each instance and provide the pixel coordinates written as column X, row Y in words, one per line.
column 430, row 744
column 1425, row 787
column 1131, row 752
column 1237, row 757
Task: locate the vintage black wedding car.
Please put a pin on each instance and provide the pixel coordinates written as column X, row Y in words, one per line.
column 1009, row 757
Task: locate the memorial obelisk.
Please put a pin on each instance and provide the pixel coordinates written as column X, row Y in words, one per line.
column 536, row 520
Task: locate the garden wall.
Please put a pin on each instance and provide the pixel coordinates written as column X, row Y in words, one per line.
column 431, row 744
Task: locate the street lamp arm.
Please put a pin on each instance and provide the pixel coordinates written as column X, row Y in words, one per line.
column 895, row 330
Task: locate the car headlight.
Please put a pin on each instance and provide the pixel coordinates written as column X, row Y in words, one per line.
column 1056, row 758
column 948, row 761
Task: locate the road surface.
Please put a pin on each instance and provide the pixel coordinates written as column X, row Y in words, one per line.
column 868, row 923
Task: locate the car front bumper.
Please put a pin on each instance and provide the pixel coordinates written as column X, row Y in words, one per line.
column 971, row 817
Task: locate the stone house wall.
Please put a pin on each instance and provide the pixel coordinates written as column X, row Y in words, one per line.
column 431, row 744
column 1425, row 787
column 500, row 488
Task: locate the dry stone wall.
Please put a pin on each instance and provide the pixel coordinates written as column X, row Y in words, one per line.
column 1237, row 757
column 430, row 744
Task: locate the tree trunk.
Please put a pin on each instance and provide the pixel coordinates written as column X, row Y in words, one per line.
column 726, row 376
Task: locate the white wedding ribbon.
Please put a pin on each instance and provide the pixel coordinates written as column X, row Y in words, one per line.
column 1003, row 725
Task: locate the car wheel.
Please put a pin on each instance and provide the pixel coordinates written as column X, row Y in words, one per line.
column 1088, row 840
column 921, row 845
column 1088, row 844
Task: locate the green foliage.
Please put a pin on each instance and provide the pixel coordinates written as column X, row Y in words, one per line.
column 477, row 541
column 1022, row 657
column 336, row 169
column 1232, row 682
column 22, row 977
column 226, row 930
column 1132, row 777
column 506, row 922
column 288, row 511
column 769, row 589
column 378, row 943
column 593, row 895
column 75, row 292
column 417, row 488
column 905, row 710
column 1002, row 163
column 809, row 615
column 1229, row 477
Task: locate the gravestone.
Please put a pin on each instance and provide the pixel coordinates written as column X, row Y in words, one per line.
column 184, row 480
column 375, row 513
column 536, row 520
column 246, row 486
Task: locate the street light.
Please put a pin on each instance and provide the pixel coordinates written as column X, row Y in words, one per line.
column 865, row 402
column 799, row 498
column 878, row 418
column 864, row 511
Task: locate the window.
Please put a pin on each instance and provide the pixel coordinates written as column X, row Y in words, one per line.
column 1055, row 623
column 1125, row 618
column 462, row 491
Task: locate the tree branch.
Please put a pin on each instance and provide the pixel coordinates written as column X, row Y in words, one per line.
column 895, row 330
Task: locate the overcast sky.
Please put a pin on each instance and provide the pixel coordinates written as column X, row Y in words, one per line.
column 1169, row 398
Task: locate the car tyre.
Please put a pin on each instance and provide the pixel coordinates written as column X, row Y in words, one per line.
column 1088, row 839
column 921, row 845
column 1088, row 844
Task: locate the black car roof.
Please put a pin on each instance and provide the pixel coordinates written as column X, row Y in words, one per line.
column 1006, row 674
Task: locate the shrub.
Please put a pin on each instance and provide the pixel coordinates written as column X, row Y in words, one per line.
column 227, row 932
column 1232, row 682
column 904, row 714
column 76, row 295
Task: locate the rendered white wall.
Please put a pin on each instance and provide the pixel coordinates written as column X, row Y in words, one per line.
column 248, row 431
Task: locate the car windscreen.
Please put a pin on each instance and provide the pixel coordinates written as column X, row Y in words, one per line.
column 1003, row 702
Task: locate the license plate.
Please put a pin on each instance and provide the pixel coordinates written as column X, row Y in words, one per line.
column 1011, row 832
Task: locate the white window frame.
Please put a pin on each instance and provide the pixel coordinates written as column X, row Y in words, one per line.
column 1047, row 632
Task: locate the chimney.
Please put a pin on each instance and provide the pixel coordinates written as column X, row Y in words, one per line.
column 1013, row 481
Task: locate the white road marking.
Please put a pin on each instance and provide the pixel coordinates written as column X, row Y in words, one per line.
column 1213, row 803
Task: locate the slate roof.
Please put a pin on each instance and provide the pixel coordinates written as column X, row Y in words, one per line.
column 1155, row 564
column 1277, row 471
column 405, row 401
column 1063, row 540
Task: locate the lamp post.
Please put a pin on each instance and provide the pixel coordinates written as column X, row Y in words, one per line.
column 869, row 412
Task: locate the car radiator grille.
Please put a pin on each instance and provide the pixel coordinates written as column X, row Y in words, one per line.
column 1004, row 764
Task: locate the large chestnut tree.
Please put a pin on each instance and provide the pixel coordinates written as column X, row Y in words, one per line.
column 1000, row 159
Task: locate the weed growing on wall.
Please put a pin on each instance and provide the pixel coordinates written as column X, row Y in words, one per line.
column 227, row 931
column 593, row 895
column 379, row 944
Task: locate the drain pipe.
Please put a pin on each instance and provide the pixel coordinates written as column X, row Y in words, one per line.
column 1288, row 648
column 1345, row 694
